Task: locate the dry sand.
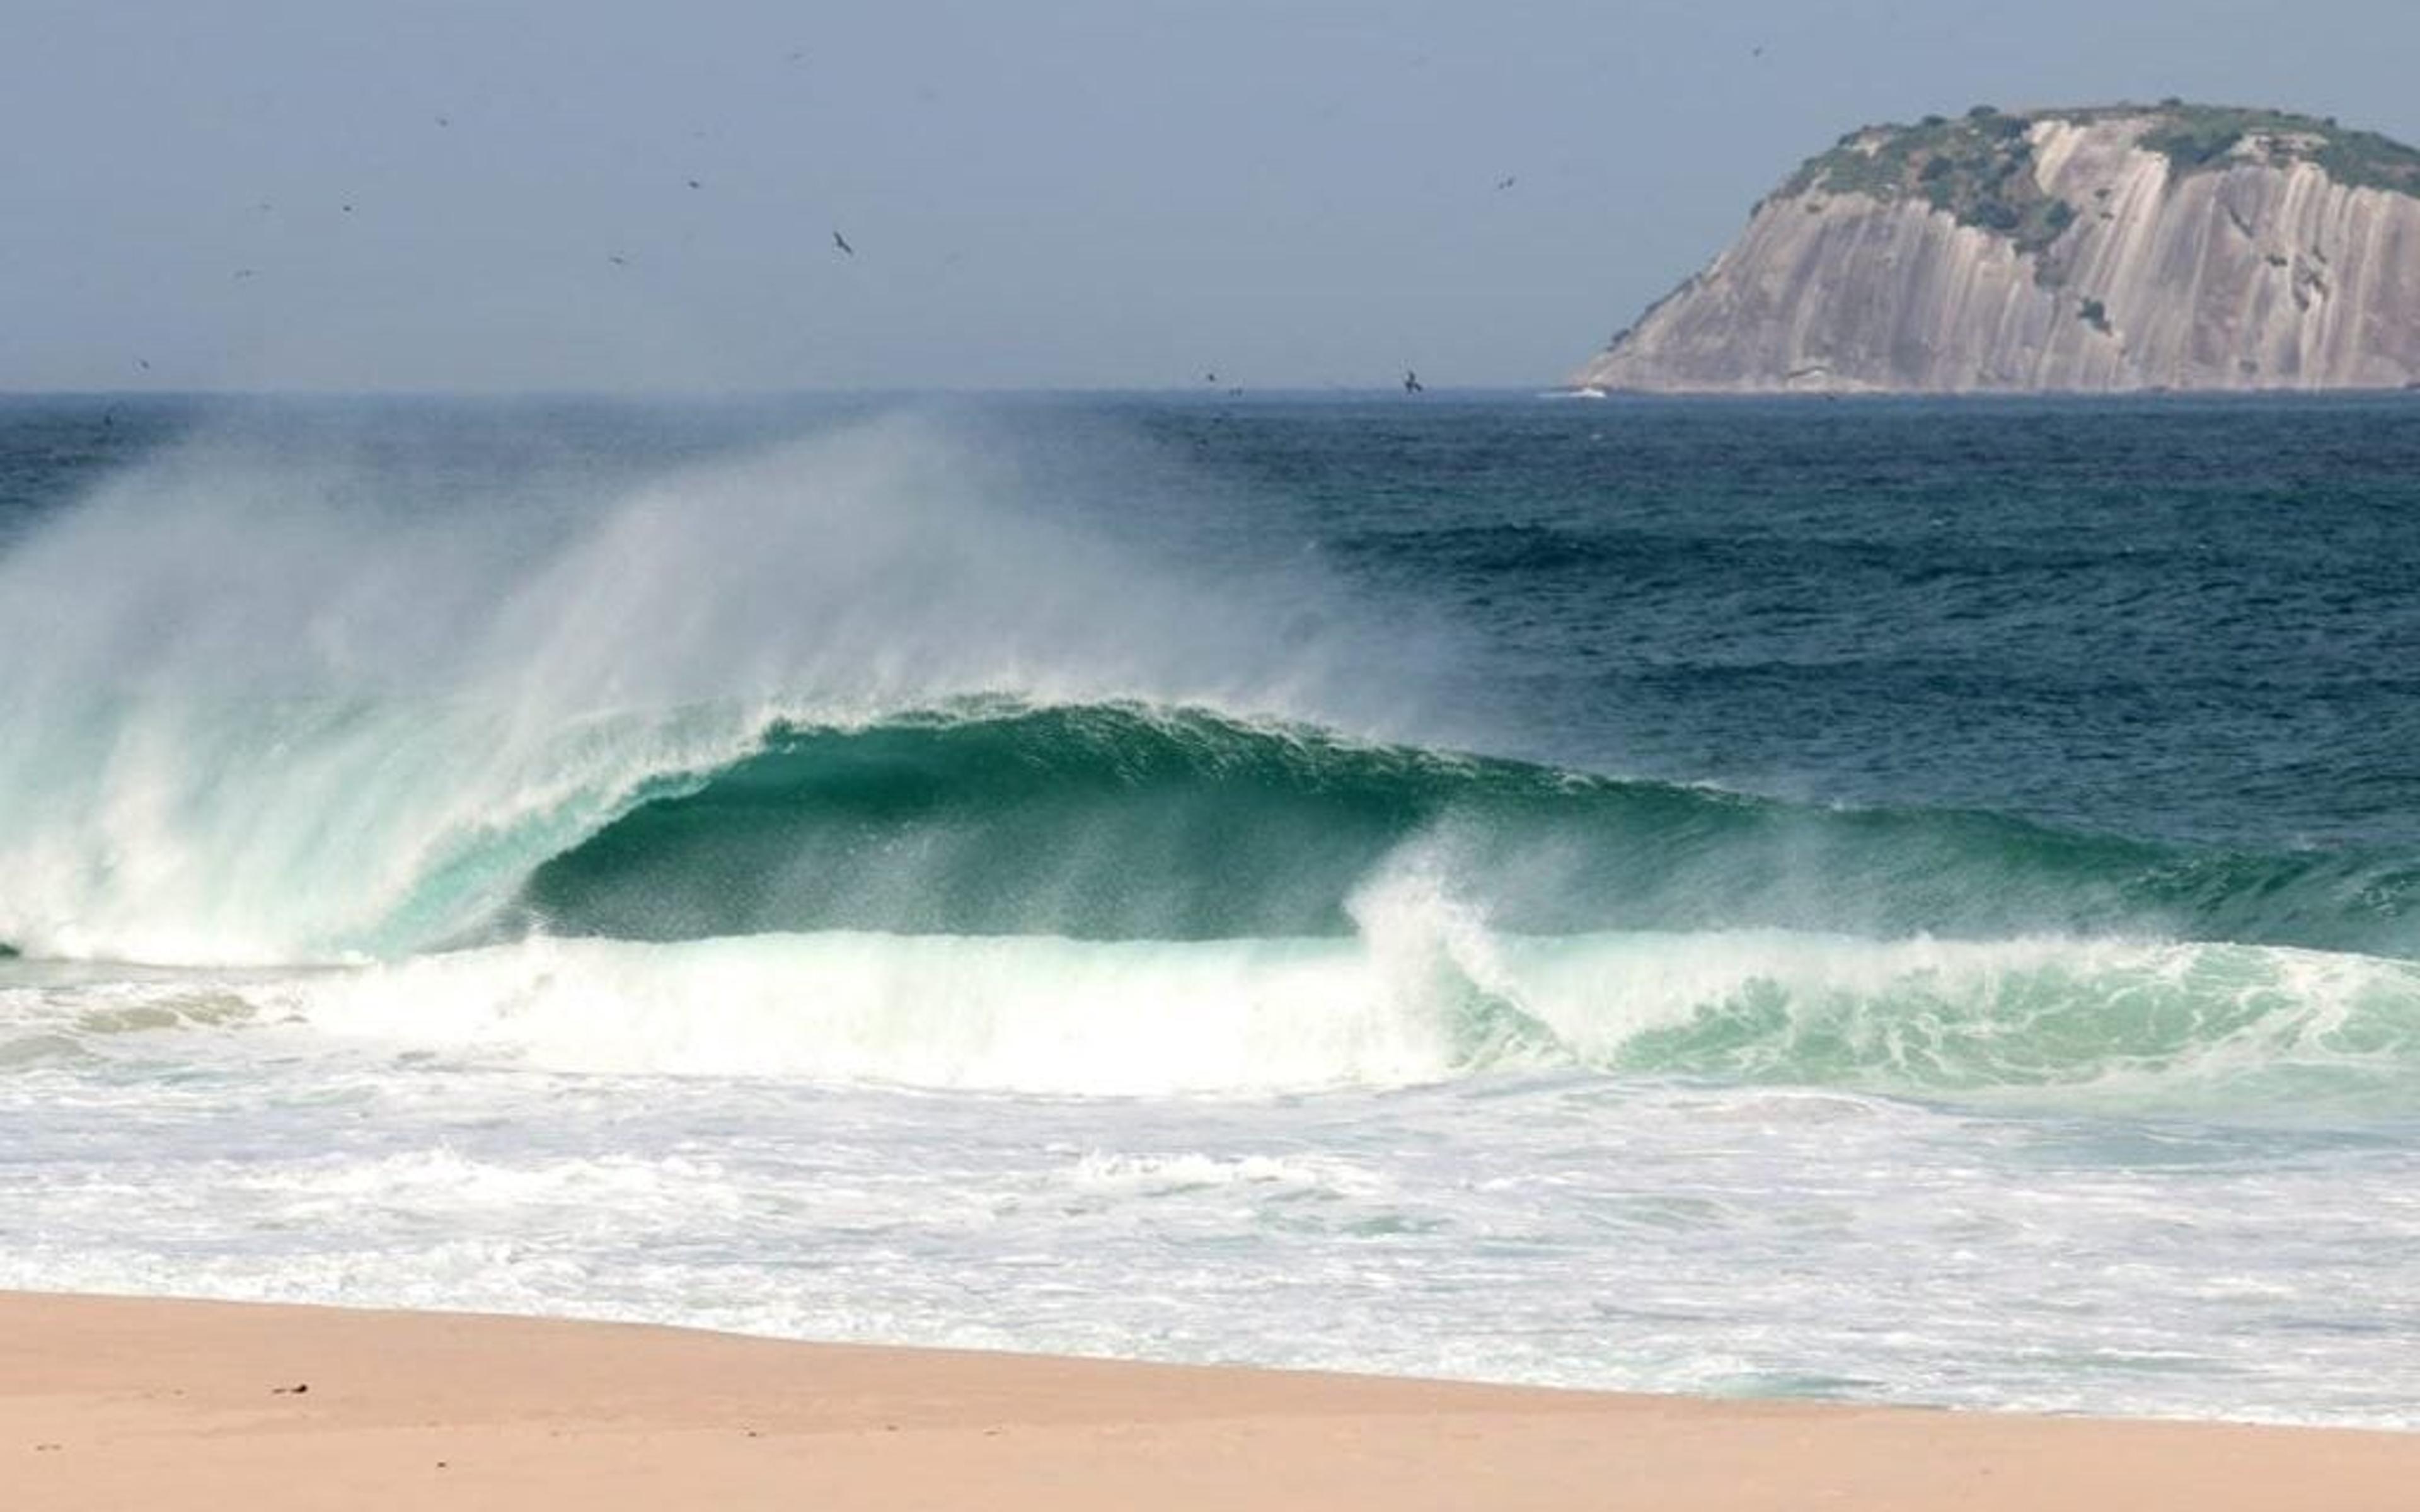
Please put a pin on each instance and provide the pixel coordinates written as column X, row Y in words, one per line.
column 147, row 1404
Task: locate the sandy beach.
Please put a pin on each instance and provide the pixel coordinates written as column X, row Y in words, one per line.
column 118, row 1403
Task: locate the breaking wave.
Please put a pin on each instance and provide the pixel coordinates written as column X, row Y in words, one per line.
column 1423, row 993
column 866, row 758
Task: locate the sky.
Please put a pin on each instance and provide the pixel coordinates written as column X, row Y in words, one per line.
column 605, row 195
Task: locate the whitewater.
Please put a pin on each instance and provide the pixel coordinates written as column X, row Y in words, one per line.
column 1722, row 899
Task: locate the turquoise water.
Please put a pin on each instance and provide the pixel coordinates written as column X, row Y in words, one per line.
column 1908, row 901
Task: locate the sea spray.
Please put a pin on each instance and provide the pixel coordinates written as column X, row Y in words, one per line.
column 273, row 706
column 1432, row 955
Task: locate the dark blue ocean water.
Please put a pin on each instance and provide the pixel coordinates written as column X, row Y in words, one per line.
column 2189, row 619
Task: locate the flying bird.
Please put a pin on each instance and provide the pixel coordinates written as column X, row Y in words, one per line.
column 1412, row 382
column 1507, row 181
column 617, row 259
column 247, row 272
column 842, row 242
column 694, row 184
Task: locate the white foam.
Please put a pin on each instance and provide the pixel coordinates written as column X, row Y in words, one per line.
column 434, row 1133
column 1426, row 994
column 1147, row 1176
column 1028, row 1014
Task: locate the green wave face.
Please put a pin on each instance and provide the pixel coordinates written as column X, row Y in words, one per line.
column 1123, row 821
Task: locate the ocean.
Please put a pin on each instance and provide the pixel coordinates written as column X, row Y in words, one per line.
column 1890, row 900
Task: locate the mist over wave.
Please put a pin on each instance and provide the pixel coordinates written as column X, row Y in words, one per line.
column 306, row 701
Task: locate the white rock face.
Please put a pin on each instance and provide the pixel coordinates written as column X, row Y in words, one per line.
column 2243, row 276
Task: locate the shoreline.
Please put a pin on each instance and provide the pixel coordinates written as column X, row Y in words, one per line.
column 117, row 1402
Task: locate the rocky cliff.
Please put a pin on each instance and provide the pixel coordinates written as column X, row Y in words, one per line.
column 2109, row 249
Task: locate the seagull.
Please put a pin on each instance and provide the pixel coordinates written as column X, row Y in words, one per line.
column 347, row 208
column 143, row 363
column 842, row 242
column 1507, row 181
column 247, row 272
column 1412, row 382
column 1209, row 377
column 444, row 120
column 694, row 184
column 617, row 259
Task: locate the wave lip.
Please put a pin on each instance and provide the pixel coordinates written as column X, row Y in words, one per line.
column 1138, row 821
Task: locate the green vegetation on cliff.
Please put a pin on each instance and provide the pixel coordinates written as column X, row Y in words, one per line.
column 2197, row 137
column 1979, row 166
